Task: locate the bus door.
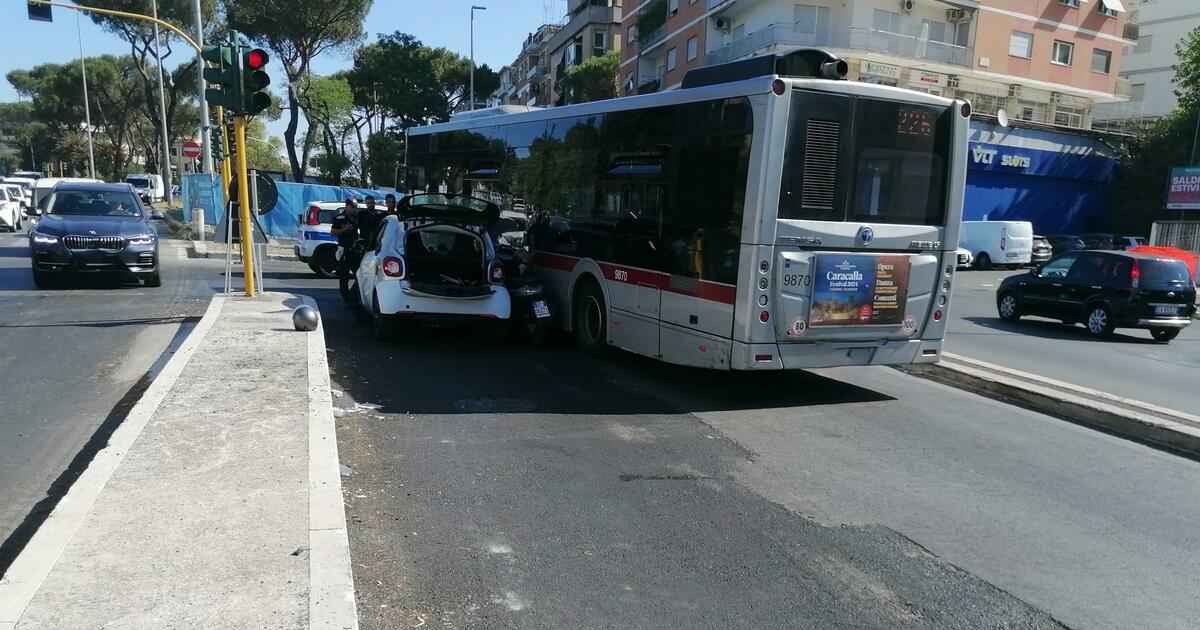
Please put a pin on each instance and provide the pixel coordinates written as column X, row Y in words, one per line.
column 634, row 281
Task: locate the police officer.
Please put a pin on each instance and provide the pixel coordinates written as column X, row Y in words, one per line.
column 345, row 228
column 370, row 222
column 389, row 202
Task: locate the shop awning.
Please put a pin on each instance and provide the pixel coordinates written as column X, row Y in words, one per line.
column 1113, row 5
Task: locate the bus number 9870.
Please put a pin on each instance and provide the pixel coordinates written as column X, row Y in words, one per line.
column 797, row 280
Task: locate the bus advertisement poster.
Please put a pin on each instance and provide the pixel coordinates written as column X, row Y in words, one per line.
column 859, row 290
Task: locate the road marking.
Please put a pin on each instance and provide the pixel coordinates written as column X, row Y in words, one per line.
column 987, row 284
column 30, row 569
column 331, row 604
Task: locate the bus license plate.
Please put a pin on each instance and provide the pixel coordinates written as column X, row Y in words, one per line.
column 1166, row 309
column 540, row 310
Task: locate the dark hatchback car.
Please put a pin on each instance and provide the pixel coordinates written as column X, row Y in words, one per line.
column 94, row 228
column 1098, row 241
column 1104, row 290
column 1063, row 243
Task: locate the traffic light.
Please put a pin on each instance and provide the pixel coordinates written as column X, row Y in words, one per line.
column 255, row 81
column 215, row 143
column 39, row 12
column 225, row 88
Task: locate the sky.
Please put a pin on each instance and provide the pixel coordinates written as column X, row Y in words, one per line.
column 499, row 32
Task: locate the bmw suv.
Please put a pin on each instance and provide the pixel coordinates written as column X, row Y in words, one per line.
column 94, row 228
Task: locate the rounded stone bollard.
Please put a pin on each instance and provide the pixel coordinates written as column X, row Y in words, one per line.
column 305, row 318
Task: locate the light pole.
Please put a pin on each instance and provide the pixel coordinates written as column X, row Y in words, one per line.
column 165, row 162
column 87, row 108
column 474, row 8
column 205, row 142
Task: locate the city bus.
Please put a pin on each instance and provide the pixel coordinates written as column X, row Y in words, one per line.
column 766, row 215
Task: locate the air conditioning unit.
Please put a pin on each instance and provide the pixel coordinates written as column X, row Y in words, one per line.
column 955, row 15
column 723, row 24
column 952, row 82
column 1014, row 91
column 906, row 6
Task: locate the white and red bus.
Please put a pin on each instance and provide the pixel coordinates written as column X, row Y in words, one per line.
column 766, row 215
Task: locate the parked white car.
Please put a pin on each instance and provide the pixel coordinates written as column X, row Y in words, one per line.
column 314, row 244
column 997, row 242
column 964, row 258
column 12, row 207
column 148, row 186
column 435, row 260
column 26, row 185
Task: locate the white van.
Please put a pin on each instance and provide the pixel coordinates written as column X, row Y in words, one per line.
column 26, row 185
column 149, row 186
column 997, row 242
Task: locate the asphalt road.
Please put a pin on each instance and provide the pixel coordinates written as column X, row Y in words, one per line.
column 1130, row 364
column 72, row 362
column 496, row 486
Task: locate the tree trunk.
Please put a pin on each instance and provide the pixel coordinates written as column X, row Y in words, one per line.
column 289, row 135
column 363, row 171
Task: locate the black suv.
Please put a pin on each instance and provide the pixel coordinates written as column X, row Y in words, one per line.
column 1104, row 290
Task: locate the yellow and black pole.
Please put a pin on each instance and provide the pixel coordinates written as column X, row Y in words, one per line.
column 243, row 185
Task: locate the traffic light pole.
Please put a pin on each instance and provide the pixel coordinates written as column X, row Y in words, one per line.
column 226, row 167
column 247, row 230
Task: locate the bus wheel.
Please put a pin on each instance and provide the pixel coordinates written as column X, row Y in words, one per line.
column 591, row 318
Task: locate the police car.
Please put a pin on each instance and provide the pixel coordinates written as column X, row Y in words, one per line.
column 315, row 245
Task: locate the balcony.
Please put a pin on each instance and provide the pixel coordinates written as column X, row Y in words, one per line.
column 535, row 73
column 762, row 40
column 652, row 39
column 910, row 46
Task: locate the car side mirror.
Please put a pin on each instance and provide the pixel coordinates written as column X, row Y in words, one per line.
column 32, row 212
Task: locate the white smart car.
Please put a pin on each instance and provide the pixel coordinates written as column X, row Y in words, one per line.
column 434, row 260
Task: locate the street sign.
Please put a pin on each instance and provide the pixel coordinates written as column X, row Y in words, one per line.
column 1183, row 193
column 191, row 149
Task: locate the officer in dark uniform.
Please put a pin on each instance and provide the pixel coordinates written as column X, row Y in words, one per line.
column 370, row 222
column 389, row 203
column 345, row 228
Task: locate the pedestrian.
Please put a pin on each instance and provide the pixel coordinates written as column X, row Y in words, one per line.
column 370, row 222
column 389, row 201
column 345, row 228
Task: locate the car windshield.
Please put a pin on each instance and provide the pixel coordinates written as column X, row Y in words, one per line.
column 94, row 203
column 439, row 201
column 139, row 182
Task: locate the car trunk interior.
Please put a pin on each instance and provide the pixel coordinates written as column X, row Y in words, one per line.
column 446, row 260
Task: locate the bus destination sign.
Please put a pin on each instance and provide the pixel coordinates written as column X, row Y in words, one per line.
column 858, row 290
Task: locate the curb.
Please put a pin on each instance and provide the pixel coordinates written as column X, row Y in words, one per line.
column 1146, row 423
column 31, row 568
column 200, row 249
column 331, row 599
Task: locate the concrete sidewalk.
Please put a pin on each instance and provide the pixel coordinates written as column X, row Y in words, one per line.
column 216, row 504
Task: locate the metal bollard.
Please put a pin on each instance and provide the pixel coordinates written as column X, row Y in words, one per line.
column 197, row 224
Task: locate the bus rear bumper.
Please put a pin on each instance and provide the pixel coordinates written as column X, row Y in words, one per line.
column 799, row 356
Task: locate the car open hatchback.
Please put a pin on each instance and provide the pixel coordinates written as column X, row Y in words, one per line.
column 1105, row 291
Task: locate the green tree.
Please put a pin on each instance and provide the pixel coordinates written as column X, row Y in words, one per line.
column 328, row 104
column 264, row 152
column 592, row 80
column 296, row 31
column 1187, row 71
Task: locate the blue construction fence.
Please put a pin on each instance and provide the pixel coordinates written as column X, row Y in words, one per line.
column 202, row 192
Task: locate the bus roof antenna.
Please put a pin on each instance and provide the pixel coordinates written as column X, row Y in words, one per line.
column 807, row 63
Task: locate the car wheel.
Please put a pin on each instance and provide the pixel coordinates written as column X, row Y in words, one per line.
column 1008, row 307
column 325, row 262
column 1099, row 321
column 983, row 262
column 1164, row 335
column 590, row 318
column 155, row 280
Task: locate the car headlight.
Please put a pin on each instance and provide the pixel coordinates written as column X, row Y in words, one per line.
column 142, row 239
column 44, row 239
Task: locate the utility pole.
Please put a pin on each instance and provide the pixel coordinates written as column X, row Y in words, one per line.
column 87, row 108
column 165, row 162
column 206, row 159
column 474, row 8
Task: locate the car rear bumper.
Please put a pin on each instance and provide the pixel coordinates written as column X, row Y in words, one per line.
column 395, row 298
column 1171, row 322
column 794, row 356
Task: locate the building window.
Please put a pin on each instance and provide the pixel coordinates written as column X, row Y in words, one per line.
column 1137, row 92
column 1074, row 4
column 962, row 34
column 886, row 21
column 812, row 20
column 1104, row 10
column 983, row 103
column 1101, row 60
column 1063, row 53
column 693, row 49
column 1031, row 111
column 599, row 43
column 1068, row 117
column 1144, row 44
column 672, row 7
column 671, row 59
column 1020, row 44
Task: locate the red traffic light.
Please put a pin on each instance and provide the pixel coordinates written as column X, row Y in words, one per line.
column 256, row 59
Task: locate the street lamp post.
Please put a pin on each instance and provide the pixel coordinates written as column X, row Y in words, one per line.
column 474, row 8
column 87, row 108
column 205, row 141
column 165, row 162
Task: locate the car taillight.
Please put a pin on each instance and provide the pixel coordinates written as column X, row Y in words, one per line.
column 1135, row 274
column 314, row 216
column 394, row 267
column 495, row 272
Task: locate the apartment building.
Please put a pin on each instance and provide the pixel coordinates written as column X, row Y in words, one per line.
column 1149, row 65
column 592, row 28
column 528, row 80
column 1046, row 63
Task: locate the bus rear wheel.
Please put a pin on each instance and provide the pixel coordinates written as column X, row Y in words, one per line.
column 590, row 318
